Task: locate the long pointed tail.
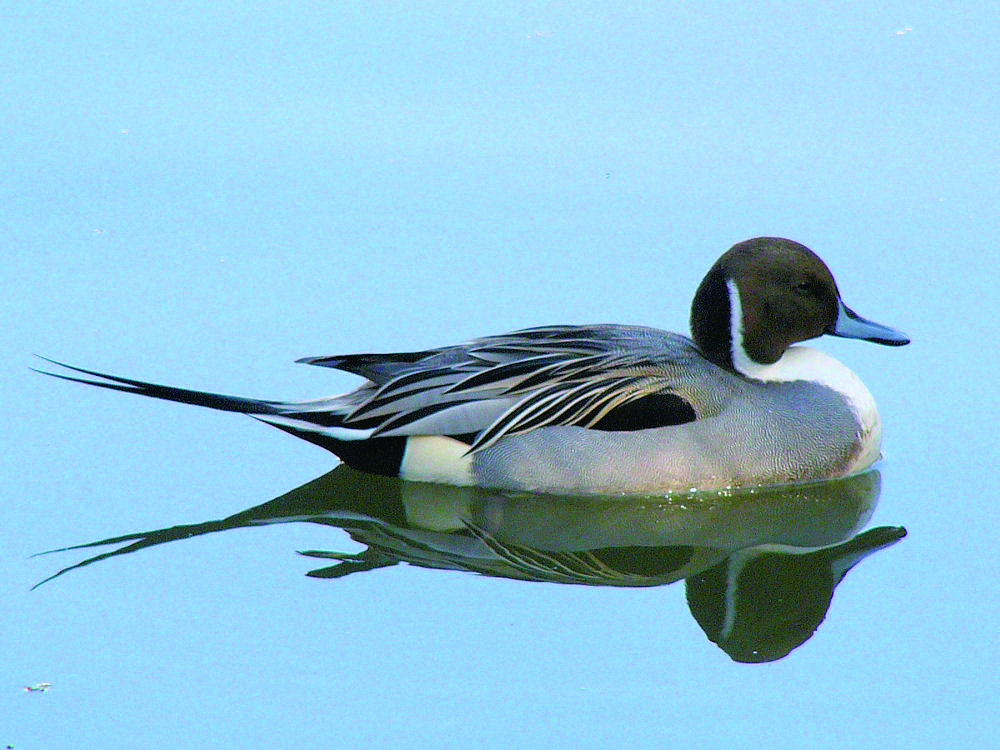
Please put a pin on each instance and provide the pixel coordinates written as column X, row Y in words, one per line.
column 239, row 404
column 318, row 422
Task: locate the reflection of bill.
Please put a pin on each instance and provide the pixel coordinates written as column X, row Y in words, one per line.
column 760, row 564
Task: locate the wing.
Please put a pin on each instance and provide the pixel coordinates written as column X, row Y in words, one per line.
column 599, row 377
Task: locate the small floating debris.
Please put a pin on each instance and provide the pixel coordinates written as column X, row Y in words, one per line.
column 38, row 687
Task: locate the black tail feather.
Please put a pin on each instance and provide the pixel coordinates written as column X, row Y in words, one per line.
column 377, row 456
column 168, row 393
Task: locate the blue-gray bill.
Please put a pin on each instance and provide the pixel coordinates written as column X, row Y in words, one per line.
column 850, row 325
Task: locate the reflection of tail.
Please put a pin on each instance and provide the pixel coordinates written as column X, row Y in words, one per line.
column 343, row 497
column 320, row 422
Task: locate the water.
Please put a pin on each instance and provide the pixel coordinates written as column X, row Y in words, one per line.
column 197, row 198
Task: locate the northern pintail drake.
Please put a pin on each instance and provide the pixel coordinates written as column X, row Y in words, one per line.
column 610, row 408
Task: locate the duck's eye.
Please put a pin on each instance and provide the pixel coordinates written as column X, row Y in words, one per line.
column 805, row 287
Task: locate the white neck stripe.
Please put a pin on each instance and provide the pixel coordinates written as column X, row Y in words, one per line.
column 741, row 360
column 813, row 365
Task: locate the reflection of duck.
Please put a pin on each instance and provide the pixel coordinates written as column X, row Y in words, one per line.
column 611, row 408
column 760, row 603
column 760, row 565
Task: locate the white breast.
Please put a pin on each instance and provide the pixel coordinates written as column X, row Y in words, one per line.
column 813, row 365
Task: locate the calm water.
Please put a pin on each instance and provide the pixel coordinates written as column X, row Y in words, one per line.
column 199, row 197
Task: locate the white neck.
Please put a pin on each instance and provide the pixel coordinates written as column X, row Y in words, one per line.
column 804, row 363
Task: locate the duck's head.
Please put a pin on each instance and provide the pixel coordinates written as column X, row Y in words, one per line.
column 765, row 294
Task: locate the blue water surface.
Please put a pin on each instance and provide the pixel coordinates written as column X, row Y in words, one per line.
column 201, row 194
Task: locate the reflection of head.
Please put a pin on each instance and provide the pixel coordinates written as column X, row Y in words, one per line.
column 761, row 603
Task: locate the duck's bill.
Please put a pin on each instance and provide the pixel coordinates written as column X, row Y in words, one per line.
column 850, row 325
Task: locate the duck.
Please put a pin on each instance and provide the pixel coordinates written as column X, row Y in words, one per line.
column 607, row 409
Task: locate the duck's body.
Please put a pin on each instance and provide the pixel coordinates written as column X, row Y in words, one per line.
column 744, row 432
column 611, row 408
